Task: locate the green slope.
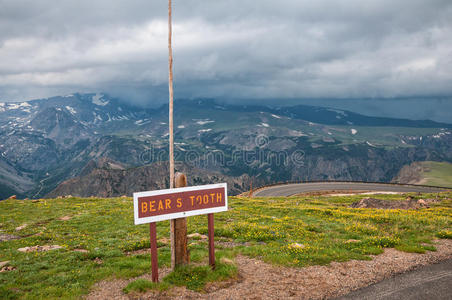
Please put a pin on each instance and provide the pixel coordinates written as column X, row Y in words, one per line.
column 437, row 173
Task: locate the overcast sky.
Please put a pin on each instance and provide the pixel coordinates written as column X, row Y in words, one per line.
column 229, row 48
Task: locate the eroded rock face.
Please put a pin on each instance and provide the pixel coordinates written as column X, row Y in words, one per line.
column 410, row 174
column 103, row 182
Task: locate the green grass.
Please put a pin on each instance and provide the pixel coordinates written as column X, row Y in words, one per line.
column 268, row 229
column 143, row 285
column 444, row 234
column 437, row 173
column 195, row 277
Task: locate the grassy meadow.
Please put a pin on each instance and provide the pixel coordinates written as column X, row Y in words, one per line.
column 99, row 240
column 437, row 173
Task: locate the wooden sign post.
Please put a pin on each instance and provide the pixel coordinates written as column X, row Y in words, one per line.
column 211, row 231
column 154, row 257
column 153, row 206
column 179, row 251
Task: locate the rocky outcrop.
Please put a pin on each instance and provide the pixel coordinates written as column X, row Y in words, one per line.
column 114, row 182
column 411, row 174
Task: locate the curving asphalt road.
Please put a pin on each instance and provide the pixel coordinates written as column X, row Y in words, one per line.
column 428, row 282
column 298, row 188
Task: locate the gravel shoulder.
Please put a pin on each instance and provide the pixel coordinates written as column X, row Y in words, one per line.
column 259, row 280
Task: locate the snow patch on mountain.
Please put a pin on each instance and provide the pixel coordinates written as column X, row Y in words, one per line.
column 97, row 117
column 13, row 106
column 204, row 130
column 71, row 110
column 204, row 122
column 97, row 99
column 142, row 122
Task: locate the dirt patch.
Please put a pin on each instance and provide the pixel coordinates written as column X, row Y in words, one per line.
column 39, row 248
column 80, row 250
column 393, row 204
column 8, row 237
column 197, row 236
column 138, row 252
column 4, row 263
column 231, row 244
column 259, row 280
column 43, row 222
column 7, row 269
column 65, row 218
column 19, row 228
column 112, row 289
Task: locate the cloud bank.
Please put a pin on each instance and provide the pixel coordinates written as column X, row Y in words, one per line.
column 227, row 49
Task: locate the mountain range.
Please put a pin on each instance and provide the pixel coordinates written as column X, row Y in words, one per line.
column 97, row 145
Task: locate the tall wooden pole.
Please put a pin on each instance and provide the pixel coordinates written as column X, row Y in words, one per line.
column 178, row 227
column 170, row 67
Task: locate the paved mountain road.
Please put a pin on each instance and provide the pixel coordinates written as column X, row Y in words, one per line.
column 298, row 188
column 428, row 282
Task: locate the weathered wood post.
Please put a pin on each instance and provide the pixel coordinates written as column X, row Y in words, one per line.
column 211, row 230
column 171, row 95
column 154, row 254
column 179, row 250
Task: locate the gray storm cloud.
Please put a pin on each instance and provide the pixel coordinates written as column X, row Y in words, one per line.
column 229, row 49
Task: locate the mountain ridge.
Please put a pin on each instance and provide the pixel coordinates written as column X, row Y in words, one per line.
column 52, row 140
